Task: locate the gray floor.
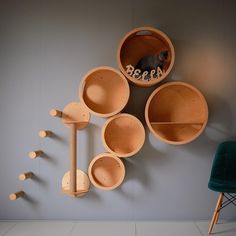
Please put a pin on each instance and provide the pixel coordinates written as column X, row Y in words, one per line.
column 74, row 228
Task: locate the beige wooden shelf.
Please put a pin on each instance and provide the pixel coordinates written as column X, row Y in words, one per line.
column 105, row 91
column 176, row 113
column 123, row 135
column 175, row 123
column 140, row 42
column 106, row 171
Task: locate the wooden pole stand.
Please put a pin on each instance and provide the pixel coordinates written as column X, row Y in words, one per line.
column 73, row 161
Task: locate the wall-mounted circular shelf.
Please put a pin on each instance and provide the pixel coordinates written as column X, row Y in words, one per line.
column 77, row 113
column 105, row 91
column 106, row 171
column 141, row 42
column 123, row 135
column 176, row 113
column 82, row 184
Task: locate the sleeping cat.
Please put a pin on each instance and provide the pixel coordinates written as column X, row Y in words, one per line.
column 151, row 62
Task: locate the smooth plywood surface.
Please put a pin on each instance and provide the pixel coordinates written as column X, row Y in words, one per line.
column 176, row 113
column 105, row 91
column 141, row 42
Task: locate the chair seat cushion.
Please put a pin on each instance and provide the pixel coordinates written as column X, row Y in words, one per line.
column 222, row 186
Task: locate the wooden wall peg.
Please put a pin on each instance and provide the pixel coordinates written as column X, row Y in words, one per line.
column 35, row 154
column 45, row 133
column 14, row 196
column 56, row 113
column 26, row 175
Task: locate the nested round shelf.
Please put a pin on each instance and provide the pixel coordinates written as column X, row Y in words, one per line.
column 106, row 171
column 176, row 113
column 141, row 42
column 123, row 135
column 105, row 91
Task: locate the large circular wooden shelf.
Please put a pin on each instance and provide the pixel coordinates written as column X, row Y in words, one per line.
column 105, row 91
column 106, row 171
column 176, row 113
column 140, row 42
column 123, row 135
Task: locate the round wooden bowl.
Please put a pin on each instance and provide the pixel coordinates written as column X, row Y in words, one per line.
column 176, row 113
column 123, row 135
column 106, row 171
column 140, row 42
column 105, row 91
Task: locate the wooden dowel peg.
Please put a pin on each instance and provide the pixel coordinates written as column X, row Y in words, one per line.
column 35, row 154
column 26, row 175
column 14, row 196
column 45, row 133
column 56, row 113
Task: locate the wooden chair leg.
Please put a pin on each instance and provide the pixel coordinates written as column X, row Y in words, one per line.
column 213, row 220
column 218, row 211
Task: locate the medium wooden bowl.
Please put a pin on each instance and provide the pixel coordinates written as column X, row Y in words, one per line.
column 123, row 135
column 106, row 171
column 105, row 91
column 176, row 113
column 140, row 42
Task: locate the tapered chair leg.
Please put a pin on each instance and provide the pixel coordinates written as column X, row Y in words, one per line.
column 216, row 213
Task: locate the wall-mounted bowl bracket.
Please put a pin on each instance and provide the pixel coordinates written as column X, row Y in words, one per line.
column 75, row 182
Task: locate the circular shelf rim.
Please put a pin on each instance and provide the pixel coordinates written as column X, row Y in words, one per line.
column 83, row 83
column 99, row 156
column 188, row 86
column 121, row 68
column 104, row 130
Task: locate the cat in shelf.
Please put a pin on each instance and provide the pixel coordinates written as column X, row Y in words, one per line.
column 152, row 62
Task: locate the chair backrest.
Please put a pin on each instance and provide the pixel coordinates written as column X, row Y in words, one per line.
column 223, row 172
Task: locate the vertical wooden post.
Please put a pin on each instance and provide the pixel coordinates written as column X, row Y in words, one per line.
column 14, row 196
column 73, row 158
column 219, row 201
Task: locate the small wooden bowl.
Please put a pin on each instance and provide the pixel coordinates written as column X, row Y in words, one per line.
column 106, row 171
column 140, row 42
column 123, row 135
column 176, row 113
column 105, row 91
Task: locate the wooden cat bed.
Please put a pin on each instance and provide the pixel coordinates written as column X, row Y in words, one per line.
column 106, row 171
column 123, row 135
column 176, row 113
column 105, row 91
column 140, row 42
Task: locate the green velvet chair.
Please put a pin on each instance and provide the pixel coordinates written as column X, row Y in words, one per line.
column 223, row 178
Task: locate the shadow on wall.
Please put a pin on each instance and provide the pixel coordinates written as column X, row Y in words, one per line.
column 204, row 67
column 207, row 65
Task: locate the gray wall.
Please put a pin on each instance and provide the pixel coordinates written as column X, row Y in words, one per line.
column 45, row 49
